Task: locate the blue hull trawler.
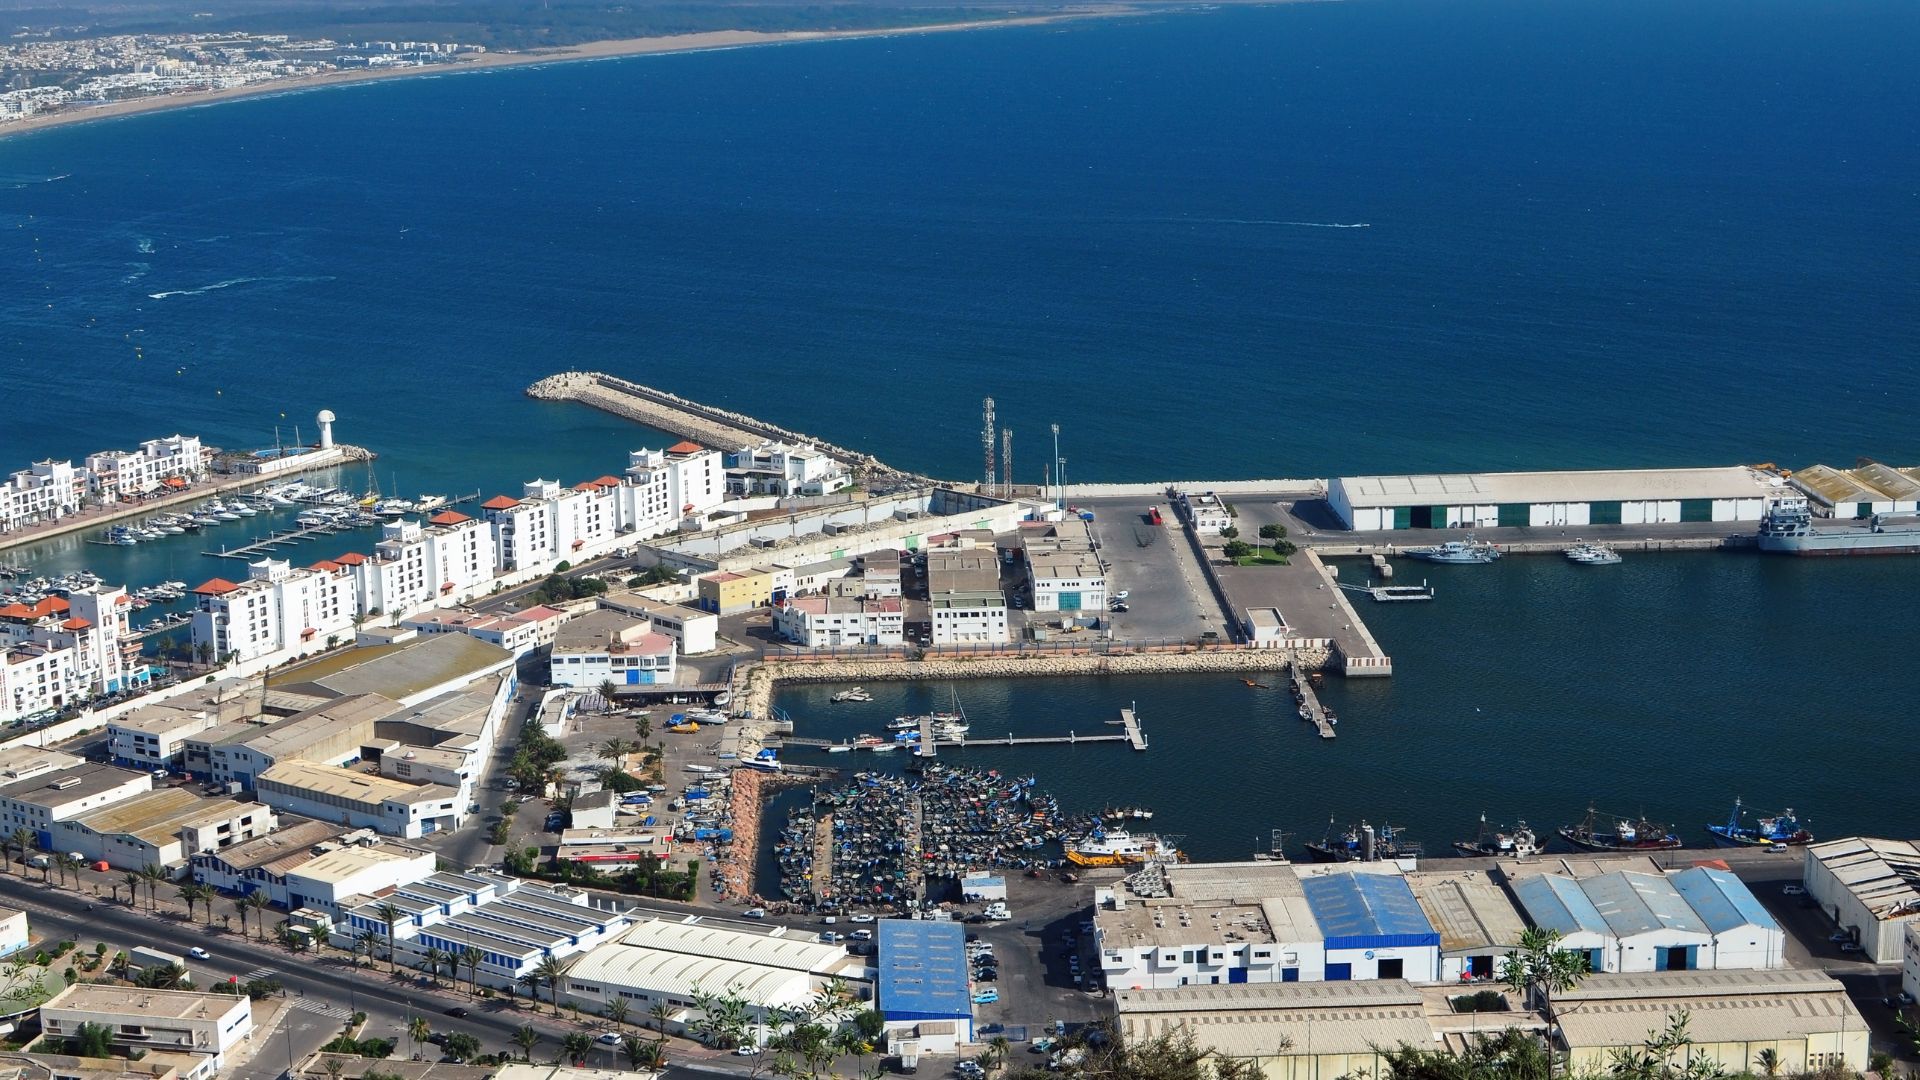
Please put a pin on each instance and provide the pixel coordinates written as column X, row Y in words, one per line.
column 1789, row 528
column 1457, row 552
column 1782, row 830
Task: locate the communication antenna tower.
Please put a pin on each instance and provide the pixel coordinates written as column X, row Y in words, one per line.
column 1006, row 460
column 986, row 443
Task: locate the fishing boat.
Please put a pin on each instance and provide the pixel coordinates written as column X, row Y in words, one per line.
column 1782, row 829
column 685, row 728
column 1362, row 843
column 1500, row 843
column 1457, row 552
column 1117, row 847
column 1592, row 555
column 855, row 694
column 1623, row 834
column 838, row 748
column 1127, row 813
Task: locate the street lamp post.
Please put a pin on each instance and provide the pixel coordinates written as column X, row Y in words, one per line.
column 1059, row 495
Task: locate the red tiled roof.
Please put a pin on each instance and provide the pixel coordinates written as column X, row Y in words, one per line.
column 684, row 447
column 52, row 605
column 351, row 558
column 500, row 502
column 75, row 624
column 586, row 485
column 216, row 587
column 608, row 481
column 448, row 517
column 326, row 565
column 540, row 612
column 123, row 599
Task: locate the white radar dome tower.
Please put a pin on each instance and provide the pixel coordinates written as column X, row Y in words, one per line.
column 326, row 428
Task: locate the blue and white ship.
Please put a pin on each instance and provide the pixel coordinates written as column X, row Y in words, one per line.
column 1789, row 528
column 1780, row 830
column 1459, row 552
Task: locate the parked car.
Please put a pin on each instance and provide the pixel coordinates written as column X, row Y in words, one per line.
column 1793, row 890
column 1850, row 947
column 986, row 997
column 863, row 918
column 1898, row 1001
column 609, row 1038
column 1122, row 595
column 754, row 913
column 860, row 935
column 748, row 1050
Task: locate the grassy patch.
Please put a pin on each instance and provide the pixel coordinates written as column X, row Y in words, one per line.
column 1265, row 558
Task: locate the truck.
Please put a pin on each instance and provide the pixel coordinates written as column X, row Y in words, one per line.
column 142, row 956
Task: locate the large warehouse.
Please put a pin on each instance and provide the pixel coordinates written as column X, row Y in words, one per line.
column 1871, row 887
column 1550, row 499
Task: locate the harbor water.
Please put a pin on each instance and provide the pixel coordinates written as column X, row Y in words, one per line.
column 1668, row 684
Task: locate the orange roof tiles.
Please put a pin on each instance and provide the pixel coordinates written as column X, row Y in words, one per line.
column 75, row 624
column 685, row 447
column 52, row 605
column 500, row 502
column 216, row 587
column 325, row 565
column 351, row 558
column 449, row 517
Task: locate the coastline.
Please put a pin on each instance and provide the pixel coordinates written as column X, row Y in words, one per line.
column 705, row 41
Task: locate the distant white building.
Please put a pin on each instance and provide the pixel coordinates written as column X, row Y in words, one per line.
column 518, row 632
column 163, row 828
column 610, row 646
column 159, row 464
column 178, row 1021
column 696, row 631
column 786, row 470
column 62, row 651
column 44, row 491
column 155, row 736
column 1063, row 571
column 38, row 803
column 1205, row 513
column 1870, row 887
column 964, row 601
column 415, row 566
column 360, row 800
column 818, row 622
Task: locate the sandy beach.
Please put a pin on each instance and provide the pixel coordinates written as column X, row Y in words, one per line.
column 596, row 50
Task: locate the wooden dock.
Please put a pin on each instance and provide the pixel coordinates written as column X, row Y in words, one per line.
column 1132, row 737
column 1311, row 710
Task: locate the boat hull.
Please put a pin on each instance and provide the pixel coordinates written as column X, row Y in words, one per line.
column 1721, row 838
column 1590, row 844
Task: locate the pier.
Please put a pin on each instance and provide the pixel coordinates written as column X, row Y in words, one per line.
column 283, row 537
column 1310, row 708
column 1392, row 594
column 1132, row 737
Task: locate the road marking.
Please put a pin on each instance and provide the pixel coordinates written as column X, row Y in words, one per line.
column 258, row 973
column 322, row 1008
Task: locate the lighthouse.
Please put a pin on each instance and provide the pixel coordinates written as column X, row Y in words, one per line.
column 326, row 428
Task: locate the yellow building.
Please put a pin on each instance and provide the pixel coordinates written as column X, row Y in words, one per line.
column 728, row 593
column 1804, row 1017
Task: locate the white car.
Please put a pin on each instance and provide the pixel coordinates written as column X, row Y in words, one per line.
column 1121, row 595
column 1793, row 890
column 199, row 953
column 860, row 918
column 754, row 913
column 609, row 1038
column 746, row 1051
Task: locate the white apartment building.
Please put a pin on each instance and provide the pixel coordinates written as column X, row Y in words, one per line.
column 827, row 621
column 155, row 736
column 609, row 646
column 786, row 470
column 121, row 474
column 360, row 799
column 416, row 565
column 277, row 608
column 62, row 651
column 666, row 487
column 177, row 1021
column 44, row 491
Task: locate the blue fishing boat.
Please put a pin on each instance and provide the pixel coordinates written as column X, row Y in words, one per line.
column 1782, row 829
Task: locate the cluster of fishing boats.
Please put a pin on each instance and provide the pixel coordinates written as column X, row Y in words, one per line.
column 1597, row 831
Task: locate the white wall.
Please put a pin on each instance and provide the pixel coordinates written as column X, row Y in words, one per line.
column 1418, row 963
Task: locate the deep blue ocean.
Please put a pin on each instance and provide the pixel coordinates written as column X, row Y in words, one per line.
column 1304, row 240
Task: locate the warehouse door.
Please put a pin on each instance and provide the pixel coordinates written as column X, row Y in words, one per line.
column 1696, row 509
column 1604, row 513
column 1402, row 517
column 1339, row 972
column 1069, row 601
column 1420, row 517
column 1515, row 515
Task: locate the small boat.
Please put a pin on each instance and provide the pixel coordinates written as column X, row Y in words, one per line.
column 1455, row 552
column 1117, row 847
column 1782, row 829
column 838, row 748
column 1499, row 843
column 1625, row 834
column 687, row 728
column 429, row 502
column 1256, row 685
column 1363, row 843
column 1592, row 555
column 855, row 694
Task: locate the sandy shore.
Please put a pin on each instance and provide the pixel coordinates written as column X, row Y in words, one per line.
column 597, row 50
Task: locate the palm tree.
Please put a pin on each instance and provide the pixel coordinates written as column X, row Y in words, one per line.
column 154, row 875
column 996, row 1049
column 1769, row 1061
column 333, row 1068
column 389, row 915
column 430, row 961
column 7, row 844
column 526, row 1039
column 471, row 957
column 615, row 749
column 367, row 942
column 643, row 727
column 550, row 969
column 190, row 894
column 207, row 893
column 418, row 1030
column 134, row 881
column 1540, row 968
column 617, row 1009
column 658, row 1014
column 635, row 1049
column 259, row 903
column 243, row 909
column 578, row 1044
column 22, row 840
column 607, row 690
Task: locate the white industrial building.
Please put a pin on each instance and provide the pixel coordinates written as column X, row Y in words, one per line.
column 786, row 470
column 1558, row 904
column 1627, row 921
column 180, row 1021
column 1219, row 923
column 1860, row 492
column 611, row 646
column 818, row 622
column 1909, row 961
column 1063, row 572
column 1803, row 1017
column 964, row 603
column 359, row 799
column 1744, row 934
column 1205, row 512
column 40, row 801
column 513, row 924
column 518, row 632
column 696, row 631
column 1477, row 921
column 261, row 864
column 1372, row 926
column 1551, row 499
column 662, row 962
column 1870, row 887
column 161, row 828
column 335, row 880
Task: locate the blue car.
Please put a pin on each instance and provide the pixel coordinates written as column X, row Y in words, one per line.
column 986, row 997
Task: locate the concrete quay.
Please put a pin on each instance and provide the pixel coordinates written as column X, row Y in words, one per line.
column 714, row 427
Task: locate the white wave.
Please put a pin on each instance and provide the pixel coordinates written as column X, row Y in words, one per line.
column 144, row 245
column 230, row 283
column 138, row 271
column 1272, row 222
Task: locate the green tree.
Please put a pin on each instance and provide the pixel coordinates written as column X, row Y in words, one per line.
column 430, row 963
column 418, row 1030
column 1666, row 1055
column 190, row 895
column 616, row 1010
column 22, row 841
column 1273, row 532
column 526, row 1038
column 259, row 903
column 577, row 1044
column 93, row 1040
column 471, row 957
column 607, row 691
column 659, row 1013
column 390, row 915
column 155, row 877
column 162, row 977
column 1237, row 549
column 460, row 1046
column 1230, row 532
column 1769, row 1061
column 550, row 969
column 643, row 727
column 870, row 1023
column 133, row 882
column 1539, row 969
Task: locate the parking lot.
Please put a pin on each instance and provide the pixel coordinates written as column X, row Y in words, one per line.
column 1167, row 594
column 1036, row 961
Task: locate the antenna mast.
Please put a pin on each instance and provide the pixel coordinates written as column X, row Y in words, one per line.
column 1006, row 459
column 986, row 443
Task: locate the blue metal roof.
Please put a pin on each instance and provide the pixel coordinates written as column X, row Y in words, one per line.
column 923, row 970
column 1367, row 911
column 1721, row 900
column 1636, row 904
column 1558, row 904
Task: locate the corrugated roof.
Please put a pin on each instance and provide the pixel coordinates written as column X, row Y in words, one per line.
column 297, row 839
column 1884, row 875
column 1721, row 1006
column 1721, row 900
column 1256, row 1020
column 1364, row 906
column 1641, row 904
column 1557, row 904
column 1872, row 482
column 1250, row 880
column 1600, row 485
column 923, row 969
column 1468, row 910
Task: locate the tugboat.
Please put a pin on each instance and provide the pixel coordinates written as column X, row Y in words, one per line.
column 1783, row 829
column 1623, row 835
column 1458, row 552
column 1521, row 843
column 1363, row 843
column 1117, row 847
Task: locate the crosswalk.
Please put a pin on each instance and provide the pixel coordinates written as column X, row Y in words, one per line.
column 258, row 973
column 332, row 1012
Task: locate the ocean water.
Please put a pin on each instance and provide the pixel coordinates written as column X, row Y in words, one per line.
column 1304, row 240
